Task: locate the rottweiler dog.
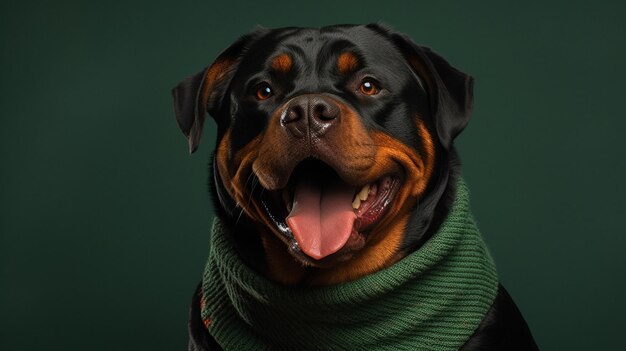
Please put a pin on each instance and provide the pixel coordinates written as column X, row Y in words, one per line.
column 334, row 159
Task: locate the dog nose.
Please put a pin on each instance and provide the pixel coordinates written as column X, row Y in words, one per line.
column 309, row 113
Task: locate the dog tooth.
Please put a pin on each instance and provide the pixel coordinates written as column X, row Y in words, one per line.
column 364, row 193
column 356, row 203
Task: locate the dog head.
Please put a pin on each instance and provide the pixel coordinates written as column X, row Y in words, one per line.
column 334, row 141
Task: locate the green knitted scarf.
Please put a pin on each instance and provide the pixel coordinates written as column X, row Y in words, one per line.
column 433, row 299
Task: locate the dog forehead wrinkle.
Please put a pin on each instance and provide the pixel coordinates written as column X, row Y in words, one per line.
column 296, row 42
column 322, row 44
column 333, row 48
column 310, row 59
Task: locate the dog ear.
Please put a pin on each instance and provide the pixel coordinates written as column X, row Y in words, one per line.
column 450, row 90
column 203, row 92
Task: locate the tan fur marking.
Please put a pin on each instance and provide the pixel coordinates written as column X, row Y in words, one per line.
column 222, row 157
column 282, row 63
column 347, row 62
column 232, row 169
column 429, row 148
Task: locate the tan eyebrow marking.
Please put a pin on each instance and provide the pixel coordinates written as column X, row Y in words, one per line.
column 347, row 62
column 282, row 63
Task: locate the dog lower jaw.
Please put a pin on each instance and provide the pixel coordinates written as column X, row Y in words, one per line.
column 372, row 211
column 380, row 252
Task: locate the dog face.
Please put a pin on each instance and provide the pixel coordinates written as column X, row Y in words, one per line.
column 328, row 139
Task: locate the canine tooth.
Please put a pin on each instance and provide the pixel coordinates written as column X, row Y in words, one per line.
column 364, row 193
column 356, row 203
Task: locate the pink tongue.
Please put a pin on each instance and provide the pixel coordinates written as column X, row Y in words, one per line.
column 320, row 221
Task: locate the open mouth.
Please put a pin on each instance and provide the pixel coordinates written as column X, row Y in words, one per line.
column 325, row 219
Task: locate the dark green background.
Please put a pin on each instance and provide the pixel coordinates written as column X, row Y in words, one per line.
column 104, row 216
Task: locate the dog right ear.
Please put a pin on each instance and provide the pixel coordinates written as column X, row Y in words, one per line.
column 450, row 90
column 204, row 91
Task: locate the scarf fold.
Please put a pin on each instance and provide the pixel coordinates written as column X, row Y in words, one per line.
column 433, row 299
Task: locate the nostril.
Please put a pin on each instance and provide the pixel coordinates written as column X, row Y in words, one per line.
column 293, row 114
column 319, row 111
column 325, row 111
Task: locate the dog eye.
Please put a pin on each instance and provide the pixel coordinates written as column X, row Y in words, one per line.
column 369, row 86
column 264, row 91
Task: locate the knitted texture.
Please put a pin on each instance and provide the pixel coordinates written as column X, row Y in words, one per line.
column 433, row 299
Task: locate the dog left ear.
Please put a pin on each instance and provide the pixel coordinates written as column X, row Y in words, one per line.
column 450, row 90
column 203, row 92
